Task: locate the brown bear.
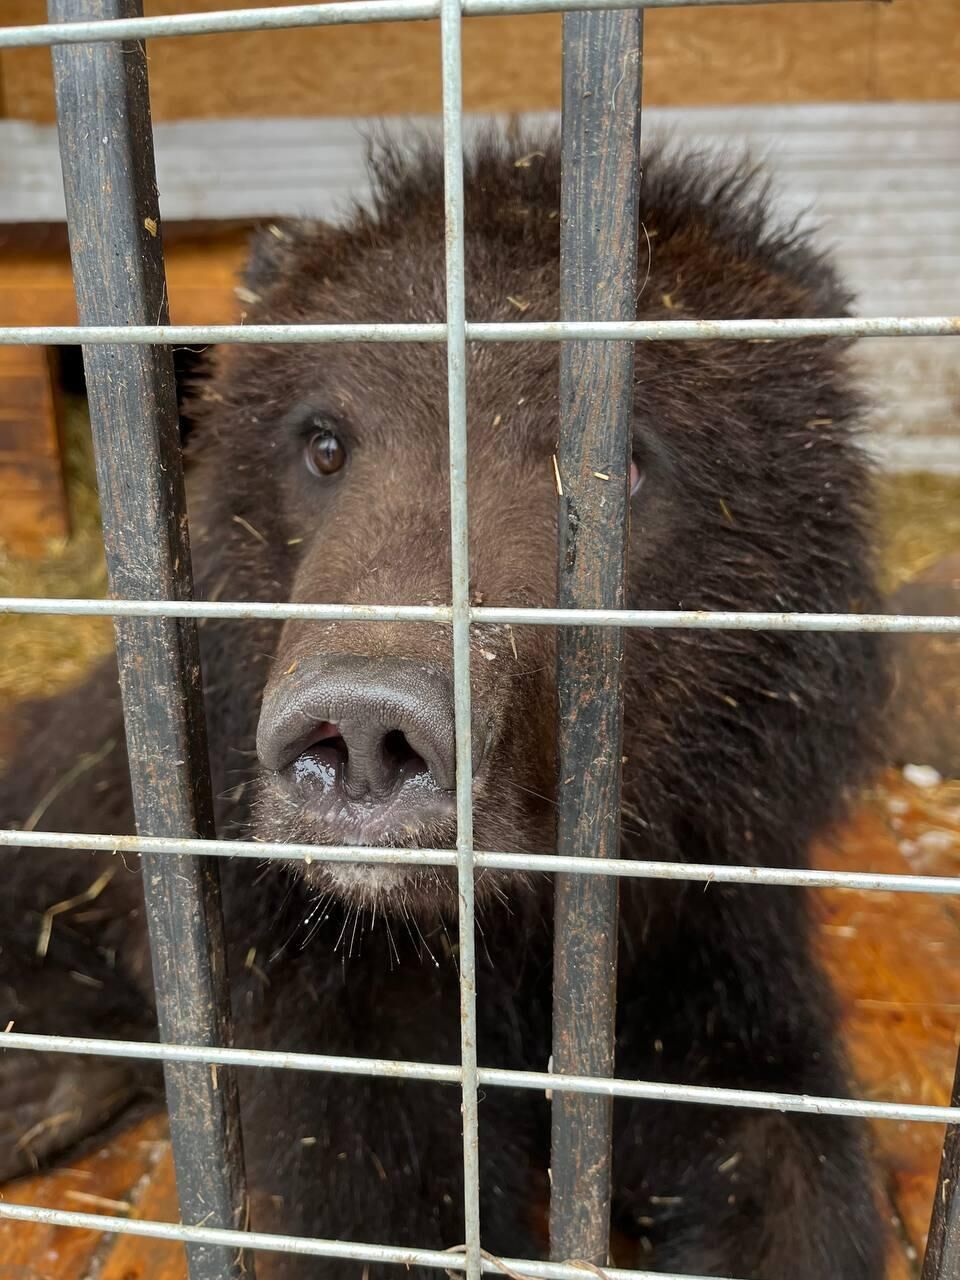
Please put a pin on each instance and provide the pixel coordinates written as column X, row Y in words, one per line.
column 319, row 473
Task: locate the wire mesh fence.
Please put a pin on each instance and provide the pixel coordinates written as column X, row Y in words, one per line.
column 100, row 72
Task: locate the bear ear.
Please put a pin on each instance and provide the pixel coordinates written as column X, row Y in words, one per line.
column 276, row 245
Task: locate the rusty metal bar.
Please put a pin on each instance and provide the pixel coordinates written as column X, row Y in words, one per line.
column 106, row 147
column 942, row 1257
column 602, row 56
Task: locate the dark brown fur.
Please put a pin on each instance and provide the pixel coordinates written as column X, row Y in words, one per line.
column 740, row 746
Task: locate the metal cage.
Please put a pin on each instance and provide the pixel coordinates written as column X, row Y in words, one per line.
column 107, row 156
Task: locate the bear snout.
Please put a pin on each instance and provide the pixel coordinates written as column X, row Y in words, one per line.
column 367, row 745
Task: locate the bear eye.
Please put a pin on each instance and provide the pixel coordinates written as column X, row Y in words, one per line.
column 324, row 453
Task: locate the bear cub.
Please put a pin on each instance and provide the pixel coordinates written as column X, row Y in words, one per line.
column 319, row 473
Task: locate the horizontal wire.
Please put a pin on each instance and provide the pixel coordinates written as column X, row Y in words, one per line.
column 656, row 619
column 759, row 330
column 227, row 609
column 543, row 863
column 494, row 1077
column 315, row 15
column 443, row 1260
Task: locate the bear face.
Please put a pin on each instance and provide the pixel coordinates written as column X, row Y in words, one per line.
column 323, row 475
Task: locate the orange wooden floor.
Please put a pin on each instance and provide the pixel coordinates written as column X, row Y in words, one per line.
column 896, row 962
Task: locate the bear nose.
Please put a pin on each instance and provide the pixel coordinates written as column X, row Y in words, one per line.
column 376, row 723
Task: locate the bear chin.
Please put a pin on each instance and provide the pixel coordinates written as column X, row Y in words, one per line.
column 426, row 892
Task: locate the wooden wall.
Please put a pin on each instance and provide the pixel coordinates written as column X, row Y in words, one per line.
column 849, row 51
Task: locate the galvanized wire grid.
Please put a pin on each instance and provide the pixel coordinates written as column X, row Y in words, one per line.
column 460, row 615
column 314, row 15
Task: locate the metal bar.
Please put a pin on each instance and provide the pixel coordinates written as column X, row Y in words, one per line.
column 438, row 1073
column 109, row 178
column 941, row 1260
column 321, row 15
column 600, row 139
column 238, row 610
column 452, row 108
column 753, row 330
column 316, row 1248
column 262, row 1059
column 679, row 619
column 732, row 620
column 540, row 863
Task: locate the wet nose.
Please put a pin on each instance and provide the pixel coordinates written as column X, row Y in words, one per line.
column 378, row 723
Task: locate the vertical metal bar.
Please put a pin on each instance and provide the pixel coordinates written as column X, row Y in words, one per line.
column 106, row 146
column 450, row 25
column 942, row 1258
column 602, row 55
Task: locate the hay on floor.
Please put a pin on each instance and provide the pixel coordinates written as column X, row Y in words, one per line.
column 42, row 654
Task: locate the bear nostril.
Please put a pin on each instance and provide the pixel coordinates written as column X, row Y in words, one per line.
column 329, row 735
column 400, row 758
column 371, row 725
column 324, row 758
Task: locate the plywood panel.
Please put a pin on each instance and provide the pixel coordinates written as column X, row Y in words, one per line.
column 123, row 1177
column 879, row 179
column 33, row 505
column 854, row 50
column 36, row 287
column 894, row 962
